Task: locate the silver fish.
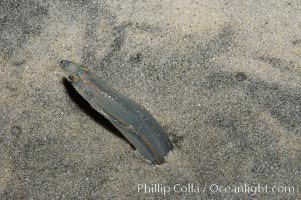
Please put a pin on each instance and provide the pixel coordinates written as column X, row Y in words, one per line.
column 133, row 121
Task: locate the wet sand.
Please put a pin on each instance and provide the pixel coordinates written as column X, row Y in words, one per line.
column 222, row 77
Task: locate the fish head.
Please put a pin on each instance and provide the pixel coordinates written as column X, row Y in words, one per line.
column 79, row 77
column 75, row 73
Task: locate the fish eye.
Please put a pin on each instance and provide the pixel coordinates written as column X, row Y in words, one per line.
column 64, row 63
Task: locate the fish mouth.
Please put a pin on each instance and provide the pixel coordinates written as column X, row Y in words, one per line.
column 72, row 79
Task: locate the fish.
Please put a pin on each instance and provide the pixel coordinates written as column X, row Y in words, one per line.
column 133, row 121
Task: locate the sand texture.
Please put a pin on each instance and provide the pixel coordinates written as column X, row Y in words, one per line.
column 222, row 77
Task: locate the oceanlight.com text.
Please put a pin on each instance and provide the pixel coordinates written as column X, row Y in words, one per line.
column 214, row 188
